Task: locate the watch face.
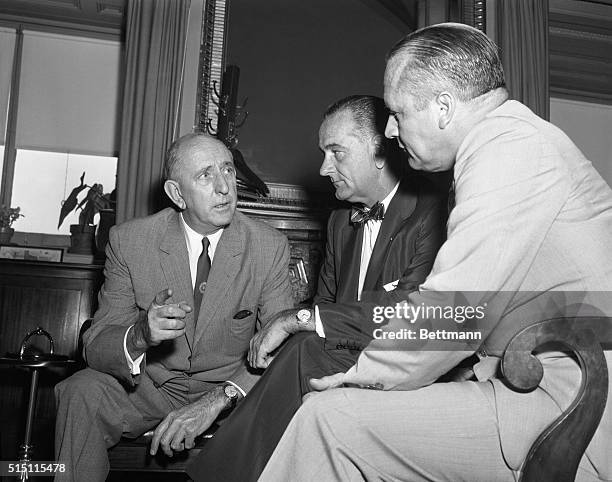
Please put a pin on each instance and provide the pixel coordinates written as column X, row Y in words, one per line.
column 231, row 391
column 303, row 316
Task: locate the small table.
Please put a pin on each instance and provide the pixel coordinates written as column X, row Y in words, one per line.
column 33, row 362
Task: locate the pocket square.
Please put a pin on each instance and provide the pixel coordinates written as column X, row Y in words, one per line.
column 242, row 314
column 391, row 286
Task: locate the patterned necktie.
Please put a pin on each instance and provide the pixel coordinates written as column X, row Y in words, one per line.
column 201, row 278
column 363, row 215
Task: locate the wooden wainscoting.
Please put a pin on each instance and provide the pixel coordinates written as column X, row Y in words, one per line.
column 58, row 297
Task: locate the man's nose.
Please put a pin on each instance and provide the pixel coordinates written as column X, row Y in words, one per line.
column 327, row 167
column 221, row 184
column 391, row 128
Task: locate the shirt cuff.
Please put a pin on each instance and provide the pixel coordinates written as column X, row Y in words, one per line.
column 133, row 364
column 318, row 323
column 237, row 387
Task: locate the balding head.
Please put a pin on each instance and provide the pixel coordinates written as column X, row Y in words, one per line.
column 201, row 181
column 181, row 148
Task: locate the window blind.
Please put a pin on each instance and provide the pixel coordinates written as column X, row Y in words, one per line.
column 68, row 96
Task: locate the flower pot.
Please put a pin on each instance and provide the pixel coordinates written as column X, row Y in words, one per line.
column 6, row 234
column 82, row 239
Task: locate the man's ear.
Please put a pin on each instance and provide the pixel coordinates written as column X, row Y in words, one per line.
column 379, row 151
column 446, row 104
column 173, row 190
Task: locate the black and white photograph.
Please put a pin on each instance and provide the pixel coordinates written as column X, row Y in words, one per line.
column 306, row 240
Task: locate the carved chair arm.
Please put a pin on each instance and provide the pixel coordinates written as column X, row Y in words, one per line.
column 556, row 453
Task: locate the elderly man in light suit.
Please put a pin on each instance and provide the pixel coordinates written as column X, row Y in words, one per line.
column 532, row 225
column 183, row 294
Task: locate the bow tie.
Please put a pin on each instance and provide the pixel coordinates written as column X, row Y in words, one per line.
column 363, row 215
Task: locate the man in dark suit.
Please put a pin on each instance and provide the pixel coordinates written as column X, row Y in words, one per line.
column 182, row 296
column 387, row 240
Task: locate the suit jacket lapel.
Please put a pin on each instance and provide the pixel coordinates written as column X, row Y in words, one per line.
column 400, row 209
column 223, row 271
column 175, row 266
column 349, row 267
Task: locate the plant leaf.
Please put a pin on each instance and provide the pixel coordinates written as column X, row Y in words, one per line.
column 70, row 202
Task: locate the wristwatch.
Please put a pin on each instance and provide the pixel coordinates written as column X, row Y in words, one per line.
column 303, row 317
column 231, row 393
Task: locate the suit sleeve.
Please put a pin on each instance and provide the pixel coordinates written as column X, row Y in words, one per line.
column 328, row 284
column 509, row 192
column 276, row 296
column 117, row 311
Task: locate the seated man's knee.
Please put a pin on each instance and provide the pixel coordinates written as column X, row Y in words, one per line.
column 318, row 406
column 300, row 342
column 84, row 385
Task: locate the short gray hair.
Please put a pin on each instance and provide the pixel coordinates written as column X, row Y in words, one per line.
column 448, row 56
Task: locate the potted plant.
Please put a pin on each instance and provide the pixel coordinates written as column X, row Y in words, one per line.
column 7, row 217
column 82, row 235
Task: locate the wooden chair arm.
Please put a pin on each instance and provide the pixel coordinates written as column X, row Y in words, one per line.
column 556, row 453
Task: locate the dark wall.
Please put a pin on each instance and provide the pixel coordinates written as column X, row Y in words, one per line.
column 296, row 57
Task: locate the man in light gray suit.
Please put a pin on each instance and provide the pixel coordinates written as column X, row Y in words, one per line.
column 183, row 294
column 529, row 235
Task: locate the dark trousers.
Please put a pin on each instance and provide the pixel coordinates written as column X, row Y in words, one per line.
column 242, row 446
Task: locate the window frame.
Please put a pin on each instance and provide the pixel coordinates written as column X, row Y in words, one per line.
column 10, row 150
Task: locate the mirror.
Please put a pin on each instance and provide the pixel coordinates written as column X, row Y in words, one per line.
column 295, row 59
